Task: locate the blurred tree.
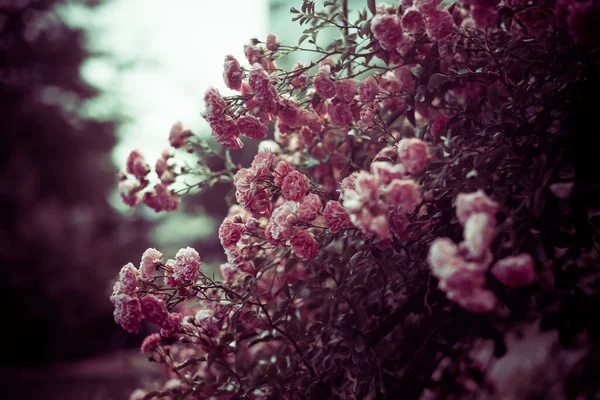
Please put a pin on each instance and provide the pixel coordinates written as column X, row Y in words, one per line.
column 60, row 240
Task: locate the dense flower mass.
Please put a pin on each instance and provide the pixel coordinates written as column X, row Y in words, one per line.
column 417, row 204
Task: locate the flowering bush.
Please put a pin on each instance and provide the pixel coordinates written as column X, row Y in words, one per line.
column 419, row 204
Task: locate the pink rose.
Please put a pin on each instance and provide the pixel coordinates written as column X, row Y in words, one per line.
column 475, row 202
column 427, row 6
column 439, row 25
column 412, row 20
column 178, row 136
column 128, row 312
column 186, row 267
column 304, row 245
column 282, row 169
column 340, row 114
column 515, row 271
column 345, row 89
column 479, row 233
column 281, row 224
column 252, row 127
column 161, row 199
column 294, row 186
column 368, row 90
column 324, row 85
column 155, row 311
column 480, row 301
column 272, row 42
column 387, row 30
column 403, row 194
column 137, row 165
column 336, row 217
column 309, row 208
column 230, row 232
column 232, row 74
column 150, row 342
column 386, row 171
column 150, row 259
column 414, row 155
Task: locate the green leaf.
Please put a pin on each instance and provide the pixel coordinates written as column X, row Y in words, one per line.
column 437, row 80
column 371, row 5
column 302, row 39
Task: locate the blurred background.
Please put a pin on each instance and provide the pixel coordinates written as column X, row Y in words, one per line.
column 82, row 83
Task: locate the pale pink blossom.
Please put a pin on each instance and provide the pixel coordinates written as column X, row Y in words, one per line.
column 387, row 30
column 150, row 260
column 304, row 245
column 155, row 311
column 345, row 89
column 232, row 73
column 368, row 90
column 161, row 199
column 128, row 312
column 412, row 20
column 230, row 232
column 324, row 85
column 269, row 145
column 281, row 223
column 309, row 208
column 282, row 169
column 272, row 42
column 178, row 136
column 186, row 266
column 475, row 202
column 379, row 225
column 252, row 127
column 515, row 271
column 385, row 171
column 414, row 155
column 439, row 25
column 336, row 217
column 461, row 278
column 149, row 343
column 365, row 192
column 294, row 186
column 442, row 253
column 137, row 165
column 403, row 194
column 479, row 233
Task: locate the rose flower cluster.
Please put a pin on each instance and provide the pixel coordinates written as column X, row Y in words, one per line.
column 344, row 274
